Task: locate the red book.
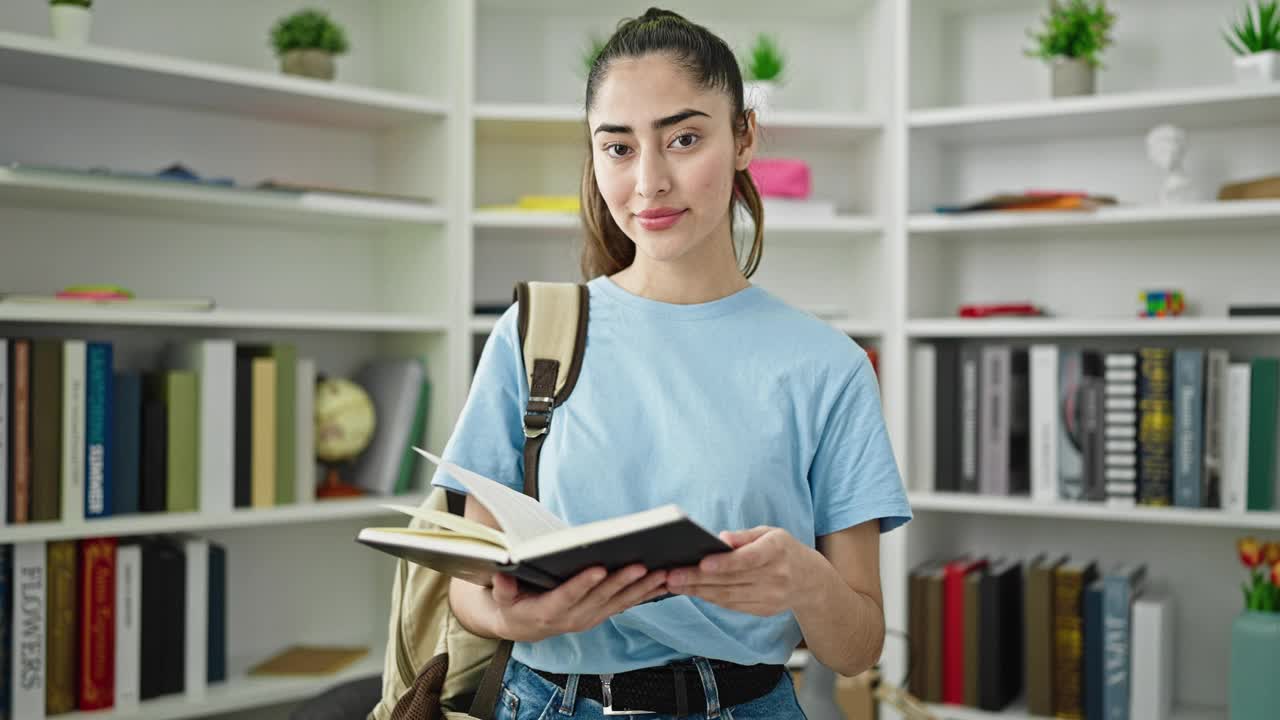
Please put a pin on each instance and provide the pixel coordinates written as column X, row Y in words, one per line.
column 953, row 628
column 97, row 623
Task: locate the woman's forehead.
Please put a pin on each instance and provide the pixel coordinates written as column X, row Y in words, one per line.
column 639, row 90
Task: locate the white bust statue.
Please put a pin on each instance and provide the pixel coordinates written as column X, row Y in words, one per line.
column 1167, row 148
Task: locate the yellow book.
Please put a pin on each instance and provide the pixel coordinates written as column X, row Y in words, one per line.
column 263, row 477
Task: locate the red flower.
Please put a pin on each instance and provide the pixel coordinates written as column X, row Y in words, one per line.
column 1271, row 553
column 1275, row 574
column 1250, row 552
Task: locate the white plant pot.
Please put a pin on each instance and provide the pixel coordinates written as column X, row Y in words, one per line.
column 1260, row 67
column 758, row 95
column 70, row 23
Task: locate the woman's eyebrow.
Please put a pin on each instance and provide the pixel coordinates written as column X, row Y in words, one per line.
column 657, row 124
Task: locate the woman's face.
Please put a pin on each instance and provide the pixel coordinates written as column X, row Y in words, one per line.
column 664, row 154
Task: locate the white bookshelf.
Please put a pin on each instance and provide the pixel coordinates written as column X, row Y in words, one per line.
column 1019, row 712
column 471, row 103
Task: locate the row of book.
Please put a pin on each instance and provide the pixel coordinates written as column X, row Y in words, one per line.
column 1154, row 426
column 209, row 426
column 1076, row 641
column 107, row 623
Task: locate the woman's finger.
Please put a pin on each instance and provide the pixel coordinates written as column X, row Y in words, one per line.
column 602, row 595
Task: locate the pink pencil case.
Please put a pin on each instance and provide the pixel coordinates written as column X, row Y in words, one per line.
column 777, row 177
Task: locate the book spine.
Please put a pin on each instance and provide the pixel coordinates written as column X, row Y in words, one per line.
column 1044, row 422
column 128, row 626
column 19, row 489
column 1152, row 682
column 1120, row 431
column 126, row 443
column 1093, row 651
column 1264, row 376
column 1235, row 455
column 972, row 636
column 154, row 448
column 305, row 466
column 98, row 382
column 1116, row 603
column 286, row 453
column 993, row 419
column 1155, row 426
column 197, row 618
column 953, row 635
column 1215, row 392
column 969, row 434
column 1070, row 457
column 73, row 420
column 947, row 410
column 1019, row 422
column 1092, row 423
column 264, row 432
column 1068, row 643
column 4, row 440
column 30, row 627
column 1039, row 636
column 64, row 590
column 1188, row 414
column 217, row 625
column 6, row 630
column 97, row 623
column 182, row 466
column 46, row 430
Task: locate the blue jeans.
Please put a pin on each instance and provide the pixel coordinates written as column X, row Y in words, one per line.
column 526, row 695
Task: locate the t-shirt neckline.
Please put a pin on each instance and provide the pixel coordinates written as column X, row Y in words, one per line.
column 694, row 311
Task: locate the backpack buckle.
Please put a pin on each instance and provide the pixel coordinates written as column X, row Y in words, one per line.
column 538, row 421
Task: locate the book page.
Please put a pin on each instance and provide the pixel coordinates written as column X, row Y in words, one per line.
column 521, row 517
column 456, row 523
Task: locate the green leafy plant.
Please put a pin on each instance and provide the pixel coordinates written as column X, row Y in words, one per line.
column 308, row 30
column 1258, row 31
column 1074, row 29
column 77, row 3
column 595, row 44
column 1262, row 561
column 765, row 61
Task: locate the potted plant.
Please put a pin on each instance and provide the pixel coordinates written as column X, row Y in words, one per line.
column 595, row 44
column 1075, row 32
column 1256, row 41
column 306, row 43
column 70, row 20
column 762, row 73
column 1255, row 635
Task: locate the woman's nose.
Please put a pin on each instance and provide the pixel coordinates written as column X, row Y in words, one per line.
column 654, row 177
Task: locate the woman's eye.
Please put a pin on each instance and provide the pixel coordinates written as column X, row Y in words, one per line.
column 687, row 140
column 616, row 150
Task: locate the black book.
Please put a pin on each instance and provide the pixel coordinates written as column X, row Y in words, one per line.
column 154, row 447
column 1000, row 641
column 162, row 641
column 534, row 545
column 946, row 439
column 217, row 636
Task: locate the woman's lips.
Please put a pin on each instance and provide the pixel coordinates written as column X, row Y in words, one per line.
column 660, row 222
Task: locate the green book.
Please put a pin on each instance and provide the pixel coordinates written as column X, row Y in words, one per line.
column 1264, row 393
column 404, row 483
column 286, row 357
column 181, row 400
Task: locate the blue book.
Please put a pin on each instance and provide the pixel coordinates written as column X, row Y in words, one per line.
column 99, row 380
column 217, row 638
column 1093, row 650
column 1120, row 587
column 126, row 452
column 1188, row 424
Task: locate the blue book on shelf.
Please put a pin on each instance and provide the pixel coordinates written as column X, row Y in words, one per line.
column 1188, row 424
column 99, row 379
column 1120, row 587
column 126, row 453
column 1093, row 650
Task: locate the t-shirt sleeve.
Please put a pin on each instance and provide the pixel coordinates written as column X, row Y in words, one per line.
column 854, row 476
column 489, row 436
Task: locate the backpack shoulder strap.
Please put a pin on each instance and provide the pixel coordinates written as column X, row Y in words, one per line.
column 552, row 319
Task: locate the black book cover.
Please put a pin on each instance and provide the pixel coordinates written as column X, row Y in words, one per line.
column 1092, row 426
column 162, row 645
column 244, row 427
column 126, row 457
column 217, row 639
column 946, row 438
column 1000, row 641
column 1020, row 422
column 970, row 440
column 153, row 477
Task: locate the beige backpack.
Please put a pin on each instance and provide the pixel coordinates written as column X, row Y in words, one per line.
column 435, row 668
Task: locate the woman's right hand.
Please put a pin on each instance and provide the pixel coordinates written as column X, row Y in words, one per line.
column 586, row 600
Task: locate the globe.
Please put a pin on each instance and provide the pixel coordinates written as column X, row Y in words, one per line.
column 344, row 420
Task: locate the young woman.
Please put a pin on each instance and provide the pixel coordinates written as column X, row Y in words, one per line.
column 699, row 388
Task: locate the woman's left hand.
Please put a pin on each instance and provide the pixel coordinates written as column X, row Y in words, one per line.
column 766, row 573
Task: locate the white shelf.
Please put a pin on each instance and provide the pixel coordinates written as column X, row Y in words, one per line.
column 483, row 323
column 89, row 314
column 1085, row 327
column 1119, row 113
column 518, row 220
column 1236, row 215
column 169, row 198
column 45, row 64
column 564, row 122
column 1018, row 711
column 240, row 692
column 159, row 523
column 973, row 504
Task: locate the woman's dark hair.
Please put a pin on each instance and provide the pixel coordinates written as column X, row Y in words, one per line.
column 711, row 64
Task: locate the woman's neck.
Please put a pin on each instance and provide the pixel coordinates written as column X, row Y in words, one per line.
column 708, row 273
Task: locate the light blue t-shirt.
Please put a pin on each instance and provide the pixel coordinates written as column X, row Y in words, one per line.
column 744, row 411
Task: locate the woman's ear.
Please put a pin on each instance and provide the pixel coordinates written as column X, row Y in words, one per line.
column 746, row 142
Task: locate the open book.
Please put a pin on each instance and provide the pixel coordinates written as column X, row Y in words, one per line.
column 534, row 545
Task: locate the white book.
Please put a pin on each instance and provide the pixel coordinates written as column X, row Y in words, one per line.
column 305, row 437
column 1125, row 389
column 128, row 626
column 1235, row 449
column 30, row 611
column 1151, row 675
column 197, row 617
column 1043, row 383
column 214, row 363
column 4, row 430
column 73, row 421
column 924, row 401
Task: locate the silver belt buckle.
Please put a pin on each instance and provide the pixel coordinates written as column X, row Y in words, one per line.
column 606, row 698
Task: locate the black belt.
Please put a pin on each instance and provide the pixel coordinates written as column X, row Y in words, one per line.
column 676, row 689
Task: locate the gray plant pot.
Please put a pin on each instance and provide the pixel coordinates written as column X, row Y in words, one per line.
column 1072, row 76
column 308, row 63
